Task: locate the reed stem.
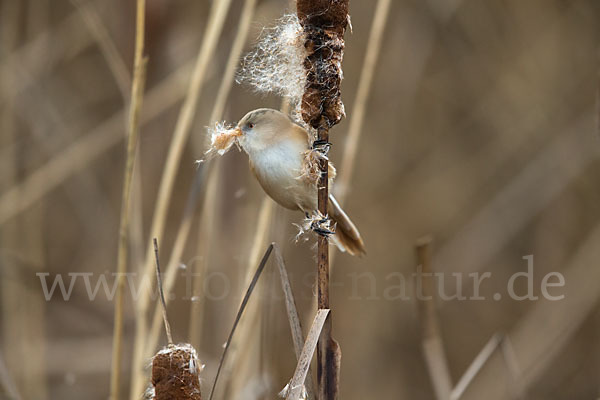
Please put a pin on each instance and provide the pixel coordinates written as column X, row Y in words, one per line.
column 323, row 376
column 137, row 90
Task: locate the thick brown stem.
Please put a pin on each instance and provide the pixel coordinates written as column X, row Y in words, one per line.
column 323, row 248
column 323, row 373
column 324, row 24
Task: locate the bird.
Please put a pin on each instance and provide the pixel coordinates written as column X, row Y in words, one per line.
column 282, row 160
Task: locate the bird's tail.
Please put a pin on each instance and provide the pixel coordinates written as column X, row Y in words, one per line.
column 346, row 237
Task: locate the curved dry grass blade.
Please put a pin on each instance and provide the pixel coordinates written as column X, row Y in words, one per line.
column 297, row 382
column 259, row 271
column 293, row 317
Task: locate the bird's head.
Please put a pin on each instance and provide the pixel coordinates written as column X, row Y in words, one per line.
column 262, row 128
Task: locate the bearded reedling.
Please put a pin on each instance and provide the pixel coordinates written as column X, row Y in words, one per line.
column 286, row 167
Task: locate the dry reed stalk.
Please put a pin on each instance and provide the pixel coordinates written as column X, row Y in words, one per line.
column 117, row 66
column 137, row 95
column 107, row 46
column 362, row 98
column 374, row 43
column 237, row 47
column 205, row 230
column 23, row 308
column 11, row 288
column 540, row 336
column 433, row 345
column 175, row 257
column 16, row 68
column 85, row 193
column 87, row 148
column 136, row 227
column 476, row 365
column 161, row 292
column 28, row 55
column 513, row 207
column 33, row 307
column 327, row 373
column 183, row 125
column 209, row 211
column 324, row 23
column 182, row 128
column 598, row 103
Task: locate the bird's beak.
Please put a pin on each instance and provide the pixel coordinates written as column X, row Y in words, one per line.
column 237, row 132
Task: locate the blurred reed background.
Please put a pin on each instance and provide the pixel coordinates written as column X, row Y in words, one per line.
column 480, row 129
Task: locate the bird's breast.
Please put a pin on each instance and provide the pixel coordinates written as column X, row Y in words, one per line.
column 277, row 169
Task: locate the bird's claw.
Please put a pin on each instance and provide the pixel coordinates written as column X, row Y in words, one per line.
column 321, row 227
column 321, row 145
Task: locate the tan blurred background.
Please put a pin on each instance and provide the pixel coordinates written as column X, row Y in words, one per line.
column 480, row 130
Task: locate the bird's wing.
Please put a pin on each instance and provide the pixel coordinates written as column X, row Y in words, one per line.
column 302, row 135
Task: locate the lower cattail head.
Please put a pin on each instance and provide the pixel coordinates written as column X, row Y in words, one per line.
column 176, row 374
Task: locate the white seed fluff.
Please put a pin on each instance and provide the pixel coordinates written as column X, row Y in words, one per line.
column 276, row 63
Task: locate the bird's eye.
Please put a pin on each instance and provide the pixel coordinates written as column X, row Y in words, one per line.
column 250, row 125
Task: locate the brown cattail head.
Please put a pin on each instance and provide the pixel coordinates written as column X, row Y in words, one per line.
column 324, row 23
column 175, row 373
column 332, row 14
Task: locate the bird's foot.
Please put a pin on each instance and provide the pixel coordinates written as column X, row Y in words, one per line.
column 316, row 222
column 321, row 145
column 321, row 224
